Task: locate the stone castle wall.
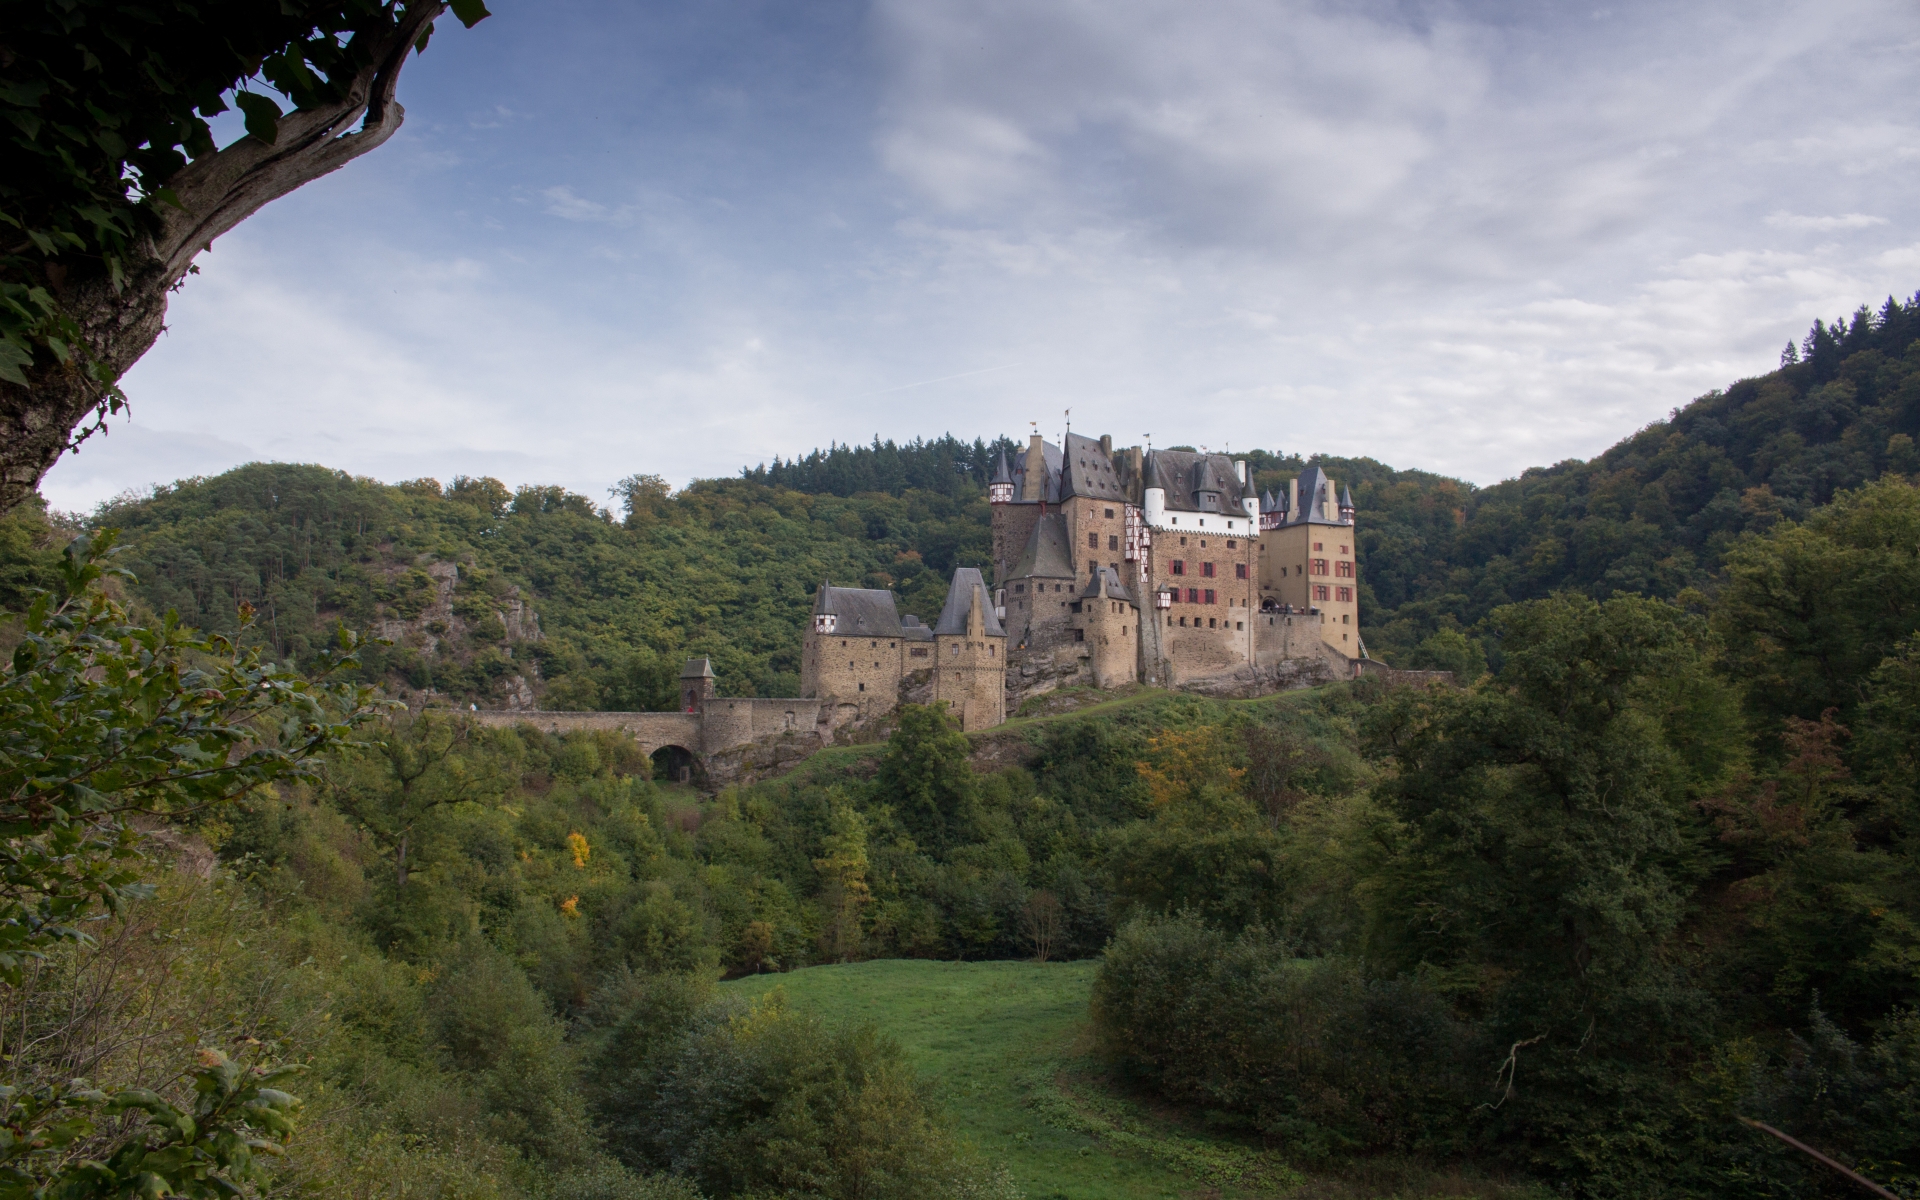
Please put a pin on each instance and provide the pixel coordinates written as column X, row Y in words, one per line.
column 970, row 678
column 862, row 674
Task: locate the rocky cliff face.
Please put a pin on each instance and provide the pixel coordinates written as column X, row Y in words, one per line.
column 452, row 623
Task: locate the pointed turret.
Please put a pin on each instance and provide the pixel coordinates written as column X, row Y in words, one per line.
column 968, row 607
column 1346, row 504
column 1000, row 489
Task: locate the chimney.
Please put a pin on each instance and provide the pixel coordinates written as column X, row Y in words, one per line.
column 1036, row 471
column 1240, row 470
column 1293, row 497
column 1106, row 444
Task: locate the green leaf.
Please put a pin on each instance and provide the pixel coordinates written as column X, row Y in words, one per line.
column 470, row 12
column 12, row 359
column 26, row 94
column 263, row 115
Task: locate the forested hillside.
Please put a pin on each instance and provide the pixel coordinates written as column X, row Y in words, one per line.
column 727, row 567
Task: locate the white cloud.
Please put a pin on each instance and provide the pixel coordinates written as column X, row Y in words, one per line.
column 1468, row 238
column 1785, row 220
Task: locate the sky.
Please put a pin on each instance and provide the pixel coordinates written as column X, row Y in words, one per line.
column 679, row 239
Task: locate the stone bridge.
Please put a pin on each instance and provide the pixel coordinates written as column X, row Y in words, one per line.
column 720, row 736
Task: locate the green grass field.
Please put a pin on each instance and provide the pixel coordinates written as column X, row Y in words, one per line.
column 1005, row 1045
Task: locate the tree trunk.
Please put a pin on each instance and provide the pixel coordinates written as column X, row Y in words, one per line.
column 216, row 192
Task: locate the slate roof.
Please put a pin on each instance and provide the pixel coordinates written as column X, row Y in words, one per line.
column 913, row 631
column 969, row 588
column 1105, row 585
column 1046, row 554
column 1000, row 472
column 1185, row 474
column 1088, row 471
column 697, row 668
column 1316, row 498
column 1027, row 491
column 863, row 612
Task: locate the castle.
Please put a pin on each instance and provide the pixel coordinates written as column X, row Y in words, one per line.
column 1163, row 567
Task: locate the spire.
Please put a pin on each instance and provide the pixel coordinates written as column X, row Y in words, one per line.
column 1000, row 490
column 1247, row 491
column 1346, row 504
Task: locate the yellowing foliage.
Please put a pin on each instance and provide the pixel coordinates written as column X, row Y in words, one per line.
column 577, row 843
column 570, row 907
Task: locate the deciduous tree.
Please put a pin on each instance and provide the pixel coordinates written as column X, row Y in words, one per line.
column 110, row 182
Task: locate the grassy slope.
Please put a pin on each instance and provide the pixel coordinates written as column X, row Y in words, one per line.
column 985, row 1031
column 1005, row 1042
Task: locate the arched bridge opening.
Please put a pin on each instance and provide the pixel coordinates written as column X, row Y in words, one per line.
column 676, row 764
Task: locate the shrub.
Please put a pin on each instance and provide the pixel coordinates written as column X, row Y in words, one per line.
column 1320, row 1056
column 767, row 1099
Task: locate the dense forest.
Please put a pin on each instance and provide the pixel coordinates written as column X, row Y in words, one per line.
column 1652, row 876
column 726, row 567
column 1648, row 878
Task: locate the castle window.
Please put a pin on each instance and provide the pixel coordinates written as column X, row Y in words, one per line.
column 863, row 687
column 1343, row 550
column 1203, row 543
column 1318, row 546
column 890, row 645
column 1193, row 595
column 1343, row 569
column 1183, row 541
column 1206, row 569
column 1319, row 566
column 989, row 649
column 1179, row 566
column 843, row 646
column 1229, row 543
column 1239, row 624
column 1079, row 635
column 1183, row 622
column 1210, row 599
column 1210, row 623
column 1320, row 591
column 1344, row 594
column 1113, row 539
column 1093, row 541
column 1019, row 587
column 1109, row 514
column 1239, row 570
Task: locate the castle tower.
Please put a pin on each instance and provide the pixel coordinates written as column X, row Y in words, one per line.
column 696, row 684
column 1308, row 560
column 1200, row 585
column 1000, row 490
column 1030, row 488
column 970, row 654
column 854, row 651
column 1106, row 630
